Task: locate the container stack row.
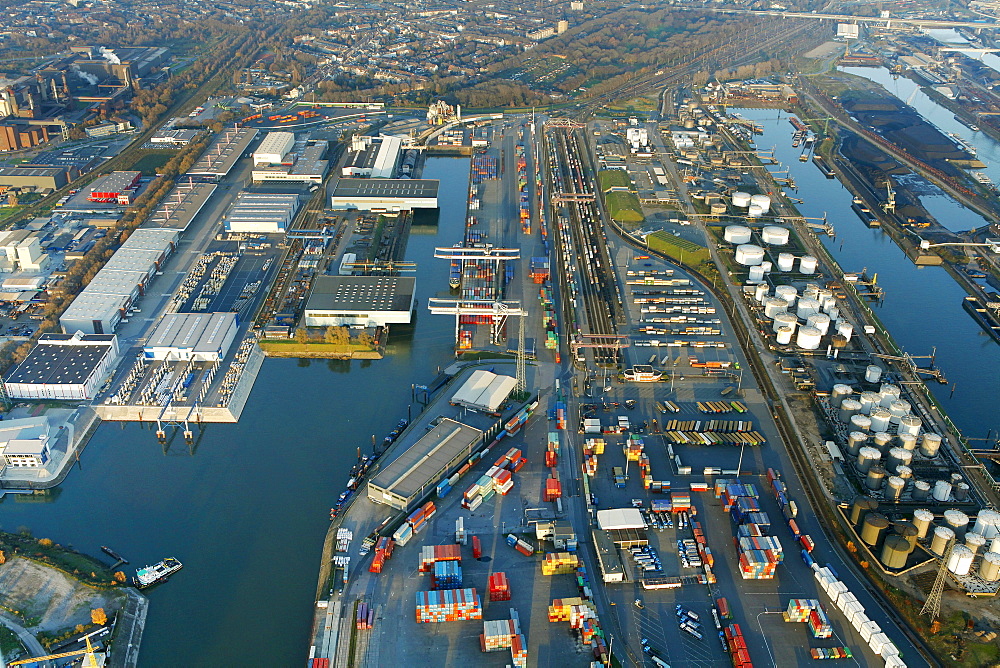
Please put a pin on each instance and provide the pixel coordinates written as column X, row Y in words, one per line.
column 810, row 611
column 552, row 449
column 737, row 646
column 559, row 563
column 383, row 550
column 592, row 447
column 446, row 575
column 364, row 618
column 431, row 554
column 553, row 488
column 521, row 545
column 499, row 587
column 451, row 605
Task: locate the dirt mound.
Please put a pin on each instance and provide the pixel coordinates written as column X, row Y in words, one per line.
column 49, row 600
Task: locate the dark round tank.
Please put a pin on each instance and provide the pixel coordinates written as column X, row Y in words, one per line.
column 862, row 505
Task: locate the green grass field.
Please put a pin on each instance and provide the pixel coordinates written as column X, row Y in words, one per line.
column 150, row 161
column 613, row 178
column 624, row 207
column 682, row 250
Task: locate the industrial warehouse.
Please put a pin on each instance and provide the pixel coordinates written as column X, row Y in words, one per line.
column 385, row 195
column 64, row 367
column 373, row 157
column 484, row 391
column 276, row 159
column 263, row 213
column 360, row 301
column 223, row 153
column 196, row 337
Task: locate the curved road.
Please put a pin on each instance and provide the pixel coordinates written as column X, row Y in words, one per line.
column 27, row 639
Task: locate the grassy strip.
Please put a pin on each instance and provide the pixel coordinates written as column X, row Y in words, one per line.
column 282, row 346
column 682, row 250
column 624, row 207
column 150, row 161
column 613, row 178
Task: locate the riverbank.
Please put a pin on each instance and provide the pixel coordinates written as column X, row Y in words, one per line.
column 74, row 429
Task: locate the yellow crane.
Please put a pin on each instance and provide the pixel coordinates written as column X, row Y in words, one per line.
column 89, row 660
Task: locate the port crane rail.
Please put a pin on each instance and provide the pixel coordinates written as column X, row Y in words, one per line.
column 498, row 311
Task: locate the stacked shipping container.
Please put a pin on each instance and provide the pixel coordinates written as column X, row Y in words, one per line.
column 448, row 606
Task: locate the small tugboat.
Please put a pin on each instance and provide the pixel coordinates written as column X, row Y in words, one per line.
column 159, row 572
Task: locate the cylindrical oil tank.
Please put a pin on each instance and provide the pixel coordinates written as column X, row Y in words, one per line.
column 717, row 208
column 845, row 329
column 894, row 486
column 840, row 392
column 689, row 123
column 786, row 261
column 989, row 567
column 823, row 294
column 749, row 255
column 872, row 527
column 907, row 441
column 987, row 523
column 888, row 393
column 807, row 264
column 807, row 307
column 827, row 304
column 909, row 424
column 868, row 456
column 974, row 541
column 773, row 306
column 833, row 312
column 736, row 234
column 741, row 199
column 861, row 422
column 907, row 530
column 873, row 373
column 759, row 293
column 774, row 235
column 754, row 211
column 855, row 441
column 895, row 551
column 995, row 545
column 848, row 407
column 898, row 409
column 955, row 478
column 957, row 521
column 960, row 560
column 942, row 491
column 881, row 440
column 921, row 490
column 820, row 321
column 786, row 292
column 904, row 472
column 862, row 506
column 880, row 419
column 875, row 478
column 808, row 338
column 756, row 274
column 930, row 443
column 810, row 291
column 784, row 336
column 764, row 202
column 940, row 539
column 784, row 320
column 961, row 491
column 922, row 519
column 868, row 402
column 899, row 456
column 766, row 265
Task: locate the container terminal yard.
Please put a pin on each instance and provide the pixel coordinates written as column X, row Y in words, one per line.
column 668, row 481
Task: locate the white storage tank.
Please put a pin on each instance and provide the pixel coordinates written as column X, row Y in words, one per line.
column 989, row 568
column 880, row 420
column 833, row 312
column 840, row 392
column 766, row 265
column 860, row 422
column 899, row 457
column 888, row 393
column 974, row 541
column 987, row 523
column 873, row 373
column 784, row 320
column 807, row 264
column 773, row 306
column 756, row 274
column 898, row 409
column 940, row 539
column 961, row 560
column 807, row 307
column 808, row 338
column 736, row 234
column 754, row 211
column 759, row 293
column 942, row 491
column 845, row 329
column 855, row 441
column 930, row 443
column 784, row 336
column 921, row 490
column 749, row 255
column 786, row 292
column 907, row 441
column 774, row 235
column 848, row 408
column 764, row 202
column 869, row 400
column 894, row 488
column 820, row 321
column 957, row 521
column 909, row 424
column 786, row 261
column 811, row 291
column 995, row 545
column 741, row 199
column 867, row 456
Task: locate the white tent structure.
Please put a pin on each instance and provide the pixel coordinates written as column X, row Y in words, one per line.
column 484, row 391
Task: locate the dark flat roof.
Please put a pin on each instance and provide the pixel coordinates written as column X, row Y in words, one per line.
column 386, row 188
column 60, row 364
column 361, row 293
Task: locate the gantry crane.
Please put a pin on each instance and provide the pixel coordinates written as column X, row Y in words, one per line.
column 89, row 658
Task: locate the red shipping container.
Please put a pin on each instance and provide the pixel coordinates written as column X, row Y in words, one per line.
column 794, row 527
column 523, row 550
column 321, row 663
column 807, row 542
column 520, row 464
column 477, row 548
column 551, row 458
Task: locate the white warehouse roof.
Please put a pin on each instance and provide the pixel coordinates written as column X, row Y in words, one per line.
column 485, row 391
column 620, row 518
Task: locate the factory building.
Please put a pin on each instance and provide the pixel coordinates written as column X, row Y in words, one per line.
column 274, row 148
column 100, row 307
column 223, row 153
column 174, row 137
column 25, row 442
column 360, row 301
column 110, row 186
column 198, row 337
column 69, row 367
column 39, row 178
column 385, row 195
column 261, row 213
column 306, row 165
column 21, row 250
column 424, row 463
column 373, row 157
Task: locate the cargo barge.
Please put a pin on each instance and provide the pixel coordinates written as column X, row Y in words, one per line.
column 985, row 314
column 865, row 214
column 824, row 166
column 158, row 572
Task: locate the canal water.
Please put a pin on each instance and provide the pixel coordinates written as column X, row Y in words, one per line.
column 247, row 511
column 923, row 305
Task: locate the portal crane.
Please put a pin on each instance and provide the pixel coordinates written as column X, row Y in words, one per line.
column 889, row 205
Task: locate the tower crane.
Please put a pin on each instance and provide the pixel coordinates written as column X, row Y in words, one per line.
column 889, row 205
column 826, row 122
column 89, row 658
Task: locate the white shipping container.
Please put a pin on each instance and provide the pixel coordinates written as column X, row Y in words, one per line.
column 844, row 598
column 889, row 649
column 870, row 629
column 877, row 642
column 895, row 662
column 859, row 621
